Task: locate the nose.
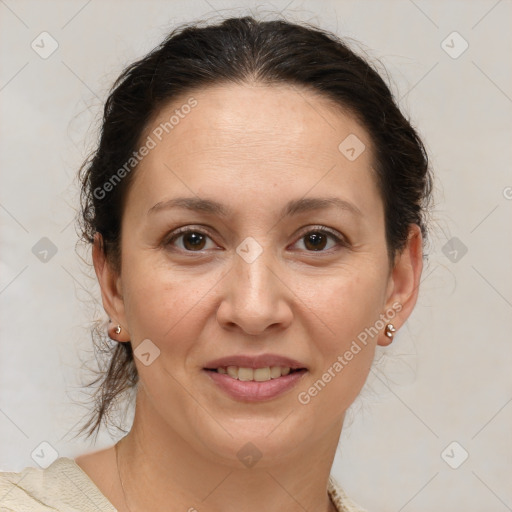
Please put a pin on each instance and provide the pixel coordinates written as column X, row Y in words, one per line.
column 256, row 297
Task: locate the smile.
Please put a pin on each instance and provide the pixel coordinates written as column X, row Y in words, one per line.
column 255, row 384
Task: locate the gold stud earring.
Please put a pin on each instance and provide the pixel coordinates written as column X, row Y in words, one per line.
column 118, row 329
column 390, row 330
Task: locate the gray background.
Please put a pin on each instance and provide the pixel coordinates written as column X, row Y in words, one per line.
column 445, row 379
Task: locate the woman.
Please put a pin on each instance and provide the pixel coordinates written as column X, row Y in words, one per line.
column 256, row 211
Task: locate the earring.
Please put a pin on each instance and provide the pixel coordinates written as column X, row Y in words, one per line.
column 390, row 330
column 118, row 329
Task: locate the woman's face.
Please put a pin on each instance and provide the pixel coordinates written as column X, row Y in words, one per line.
column 291, row 261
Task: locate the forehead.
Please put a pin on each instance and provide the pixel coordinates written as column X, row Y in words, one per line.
column 254, row 115
column 254, row 137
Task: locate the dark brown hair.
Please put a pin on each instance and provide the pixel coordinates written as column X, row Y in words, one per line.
column 240, row 50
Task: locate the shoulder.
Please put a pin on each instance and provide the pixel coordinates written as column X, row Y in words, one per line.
column 62, row 486
column 340, row 499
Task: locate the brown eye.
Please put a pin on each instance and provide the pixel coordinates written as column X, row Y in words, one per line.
column 194, row 241
column 318, row 240
column 315, row 241
column 191, row 240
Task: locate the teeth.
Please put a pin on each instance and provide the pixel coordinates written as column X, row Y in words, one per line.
column 255, row 374
column 275, row 372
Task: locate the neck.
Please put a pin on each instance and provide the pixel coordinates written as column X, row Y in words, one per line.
column 159, row 470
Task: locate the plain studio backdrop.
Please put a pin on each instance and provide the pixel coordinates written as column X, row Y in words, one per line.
column 431, row 428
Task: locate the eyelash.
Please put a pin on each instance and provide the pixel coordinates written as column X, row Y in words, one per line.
column 340, row 241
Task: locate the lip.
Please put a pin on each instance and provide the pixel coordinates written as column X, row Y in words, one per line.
column 252, row 391
column 259, row 361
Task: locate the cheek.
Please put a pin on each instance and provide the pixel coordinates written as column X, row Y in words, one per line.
column 162, row 303
column 346, row 304
column 346, row 313
column 167, row 307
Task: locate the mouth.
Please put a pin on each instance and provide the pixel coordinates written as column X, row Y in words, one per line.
column 254, row 384
column 263, row 374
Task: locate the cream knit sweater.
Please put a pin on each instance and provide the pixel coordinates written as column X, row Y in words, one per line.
column 65, row 487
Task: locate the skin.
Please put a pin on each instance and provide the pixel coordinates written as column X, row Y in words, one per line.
column 253, row 148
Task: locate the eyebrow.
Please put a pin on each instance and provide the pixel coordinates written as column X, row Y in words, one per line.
column 293, row 207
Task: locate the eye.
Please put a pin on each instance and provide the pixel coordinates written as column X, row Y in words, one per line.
column 195, row 240
column 317, row 240
column 192, row 240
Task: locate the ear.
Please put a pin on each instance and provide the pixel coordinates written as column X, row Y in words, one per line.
column 111, row 290
column 404, row 280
